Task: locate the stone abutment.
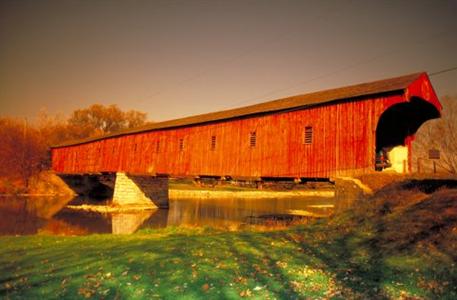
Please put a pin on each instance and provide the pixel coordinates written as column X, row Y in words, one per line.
column 125, row 189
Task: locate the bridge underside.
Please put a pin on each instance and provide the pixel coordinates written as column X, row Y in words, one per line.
column 153, row 190
column 124, row 189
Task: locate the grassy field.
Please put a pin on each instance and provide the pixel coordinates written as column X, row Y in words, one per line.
column 401, row 244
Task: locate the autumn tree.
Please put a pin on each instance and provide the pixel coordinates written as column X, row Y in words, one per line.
column 22, row 151
column 24, row 147
column 95, row 120
column 440, row 134
column 54, row 129
column 99, row 119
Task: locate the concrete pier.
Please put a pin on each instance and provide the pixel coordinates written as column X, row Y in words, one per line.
column 141, row 190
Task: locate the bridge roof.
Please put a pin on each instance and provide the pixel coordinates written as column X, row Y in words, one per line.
column 290, row 103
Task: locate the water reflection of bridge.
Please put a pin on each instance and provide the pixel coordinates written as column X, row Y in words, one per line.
column 48, row 215
column 33, row 216
column 117, row 223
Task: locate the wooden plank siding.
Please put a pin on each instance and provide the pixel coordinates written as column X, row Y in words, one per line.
column 343, row 142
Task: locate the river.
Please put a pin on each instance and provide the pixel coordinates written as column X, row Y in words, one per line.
column 52, row 216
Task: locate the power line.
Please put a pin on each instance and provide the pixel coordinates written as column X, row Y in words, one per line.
column 284, row 35
column 354, row 65
column 316, row 78
column 443, row 71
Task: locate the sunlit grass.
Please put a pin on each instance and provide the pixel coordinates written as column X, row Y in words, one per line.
column 215, row 265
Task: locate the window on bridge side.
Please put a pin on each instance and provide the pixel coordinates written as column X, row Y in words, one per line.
column 252, row 139
column 213, row 143
column 308, row 135
column 181, row 144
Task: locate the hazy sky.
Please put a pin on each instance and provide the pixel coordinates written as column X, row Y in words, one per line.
column 177, row 58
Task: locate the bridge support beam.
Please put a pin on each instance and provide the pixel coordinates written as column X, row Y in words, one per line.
column 141, row 190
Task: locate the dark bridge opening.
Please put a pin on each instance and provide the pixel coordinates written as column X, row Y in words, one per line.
column 402, row 120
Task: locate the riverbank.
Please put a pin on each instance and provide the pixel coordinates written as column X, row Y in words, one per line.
column 45, row 183
column 401, row 244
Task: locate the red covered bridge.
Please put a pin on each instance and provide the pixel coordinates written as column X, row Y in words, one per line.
column 316, row 135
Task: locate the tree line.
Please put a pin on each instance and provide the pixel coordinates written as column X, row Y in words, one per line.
column 24, row 147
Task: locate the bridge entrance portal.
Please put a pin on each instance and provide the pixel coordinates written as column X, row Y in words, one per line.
column 395, row 132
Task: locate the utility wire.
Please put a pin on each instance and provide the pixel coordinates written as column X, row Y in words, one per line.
column 277, row 39
column 443, row 71
column 354, row 65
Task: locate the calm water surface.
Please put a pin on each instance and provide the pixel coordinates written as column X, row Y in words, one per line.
column 49, row 215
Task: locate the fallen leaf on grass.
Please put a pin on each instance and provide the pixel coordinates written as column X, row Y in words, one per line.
column 281, row 264
column 64, row 282
column 246, row 293
column 296, row 285
column 431, row 285
column 8, row 286
column 23, row 280
column 176, row 261
column 220, row 266
column 86, row 293
column 205, row 287
column 240, row 279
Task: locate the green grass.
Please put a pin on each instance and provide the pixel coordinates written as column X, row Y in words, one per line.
column 386, row 248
